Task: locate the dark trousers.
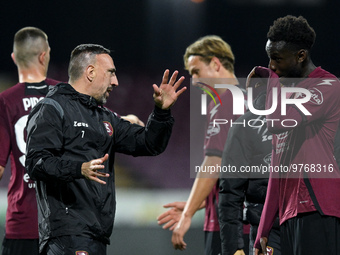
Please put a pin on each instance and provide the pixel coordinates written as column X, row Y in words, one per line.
column 20, row 246
column 310, row 233
column 74, row 245
column 273, row 240
column 213, row 243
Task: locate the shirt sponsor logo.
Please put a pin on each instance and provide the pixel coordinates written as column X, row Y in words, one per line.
column 282, row 135
column 281, row 144
column 108, row 127
column 267, row 138
column 80, row 124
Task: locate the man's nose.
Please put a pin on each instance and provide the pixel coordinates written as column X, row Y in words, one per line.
column 114, row 81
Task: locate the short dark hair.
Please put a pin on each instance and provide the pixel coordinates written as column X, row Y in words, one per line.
column 293, row 30
column 82, row 56
column 28, row 43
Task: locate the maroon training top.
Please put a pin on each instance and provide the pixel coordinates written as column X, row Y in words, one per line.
column 15, row 105
column 308, row 177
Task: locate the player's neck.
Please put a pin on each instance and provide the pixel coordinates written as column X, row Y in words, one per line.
column 31, row 75
column 229, row 77
column 224, row 73
column 309, row 68
column 81, row 86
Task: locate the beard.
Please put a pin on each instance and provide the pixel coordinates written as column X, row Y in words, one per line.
column 102, row 99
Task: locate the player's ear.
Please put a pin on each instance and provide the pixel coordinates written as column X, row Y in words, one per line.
column 13, row 58
column 301, row 55
column 90, row 72
column 215, row 64
column 42, row 57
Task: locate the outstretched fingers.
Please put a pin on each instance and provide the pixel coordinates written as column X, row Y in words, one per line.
column 90, row 169
column 166, row 95
column 165, row 76
column 95, row 178
column 177, row 84
column 156, row 90
column 173, row 77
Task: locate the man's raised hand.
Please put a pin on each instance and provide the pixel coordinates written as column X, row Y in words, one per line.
column 166, row 94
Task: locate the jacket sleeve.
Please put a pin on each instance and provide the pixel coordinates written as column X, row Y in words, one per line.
column 150, row 140
column 232, row 191
column 45, row 145
column 270, row 211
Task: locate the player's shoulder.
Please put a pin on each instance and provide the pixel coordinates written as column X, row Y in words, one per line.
column 14, row 88
column 50, row 81
column 324, row 82
column 108, row 111
column 323, row 77
column 319, row 72
column 13, row 92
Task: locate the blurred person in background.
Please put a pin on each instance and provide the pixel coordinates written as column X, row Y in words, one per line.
column 242, row 194
column 31, row 54
column 208, row 57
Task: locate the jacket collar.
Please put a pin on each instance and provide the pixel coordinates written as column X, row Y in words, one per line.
column 67, row 89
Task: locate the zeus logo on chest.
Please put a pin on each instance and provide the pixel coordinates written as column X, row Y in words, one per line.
column 80, row 124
